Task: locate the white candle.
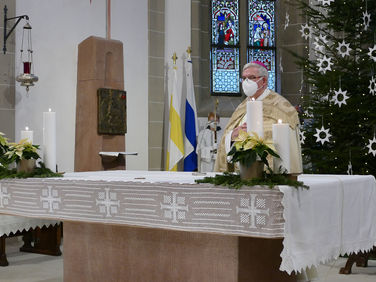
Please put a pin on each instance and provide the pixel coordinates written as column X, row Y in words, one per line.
column 255, row 121
column 27, row 134
column 281, row 140
column 49, row 139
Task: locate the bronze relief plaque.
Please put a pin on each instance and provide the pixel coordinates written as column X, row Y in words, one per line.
column 112, row 111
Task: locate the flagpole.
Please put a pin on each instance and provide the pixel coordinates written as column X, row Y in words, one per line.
column 215, row 121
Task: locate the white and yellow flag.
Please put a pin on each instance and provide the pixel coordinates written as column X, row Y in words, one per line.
column 175, row 150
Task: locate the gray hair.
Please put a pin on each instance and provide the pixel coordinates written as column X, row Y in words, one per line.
column 261, row 70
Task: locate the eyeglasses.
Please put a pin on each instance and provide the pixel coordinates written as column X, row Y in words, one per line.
column 252, row 77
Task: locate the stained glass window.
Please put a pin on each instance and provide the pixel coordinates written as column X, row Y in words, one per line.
column 261, row 23
column 225, row 22
column 261, row 35
column 225, row 47
column 225, row 67
column 267, row 57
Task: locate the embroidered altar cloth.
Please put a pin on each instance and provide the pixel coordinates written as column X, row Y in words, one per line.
column 336, row 215
column 11, row 224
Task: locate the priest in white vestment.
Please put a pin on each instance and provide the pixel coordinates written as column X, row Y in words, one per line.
column 275, row 107
column 254, row 83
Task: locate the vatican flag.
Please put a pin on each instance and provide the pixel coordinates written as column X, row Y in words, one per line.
column 191, row 126
column 175, row 150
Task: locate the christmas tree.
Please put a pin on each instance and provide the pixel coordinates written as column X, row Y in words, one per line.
column 339, row 74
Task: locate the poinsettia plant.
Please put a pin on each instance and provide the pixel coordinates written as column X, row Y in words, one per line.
column 247, row 148
column 23, row 150
column 3, row 149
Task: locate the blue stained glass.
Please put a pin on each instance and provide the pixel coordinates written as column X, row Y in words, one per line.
column 267, row 57
column 225, row 70
column 225, row 22
column 261, row 23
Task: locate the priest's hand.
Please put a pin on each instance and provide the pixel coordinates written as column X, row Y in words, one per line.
column 235, row 132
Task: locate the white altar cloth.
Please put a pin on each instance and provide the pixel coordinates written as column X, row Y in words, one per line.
column 335, row 216
column 12, row 224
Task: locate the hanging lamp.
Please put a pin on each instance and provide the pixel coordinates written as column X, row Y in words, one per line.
column 27, row 78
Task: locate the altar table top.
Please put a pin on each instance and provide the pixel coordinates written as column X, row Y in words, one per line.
column 336, row 215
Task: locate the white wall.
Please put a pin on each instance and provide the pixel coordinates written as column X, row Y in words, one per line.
column 177, row 39
column 58, row 27
column 177, row 33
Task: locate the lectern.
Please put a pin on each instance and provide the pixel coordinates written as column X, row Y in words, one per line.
column 100, row 66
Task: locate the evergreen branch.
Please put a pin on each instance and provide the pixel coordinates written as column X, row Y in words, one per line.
column 233, row 181
column 37, row 172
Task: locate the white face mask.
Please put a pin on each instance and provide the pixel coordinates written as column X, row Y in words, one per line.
column 212, row 124
column 250, row 87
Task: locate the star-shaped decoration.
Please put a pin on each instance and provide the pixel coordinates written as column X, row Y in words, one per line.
column 323, row 39
column 370, row 53
column 308, row 112
column 337, row 95
column 366, row 20
column 306, row 31
column 287, row 20
column 322, row 131
column 325, row 98
column 326, row 2
column 371, row 144
column 344, row 49
column 318, row 47
column 325, row 64
column 302, row 136
column 319, row 43
column 372, row 86
column 280, row 64
column 349, row 168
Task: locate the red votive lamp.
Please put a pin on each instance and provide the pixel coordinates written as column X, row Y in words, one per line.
column 27, row 66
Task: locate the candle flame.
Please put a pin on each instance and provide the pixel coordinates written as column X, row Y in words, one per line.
column 26, row 128
column 279, row 121
column 49, row 109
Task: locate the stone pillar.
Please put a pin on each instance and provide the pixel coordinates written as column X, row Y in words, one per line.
column 100, row 65
column 7, row 75
column 156, row 80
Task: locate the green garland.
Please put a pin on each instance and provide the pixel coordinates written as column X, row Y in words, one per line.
column 233, row 181
column 38, row 172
